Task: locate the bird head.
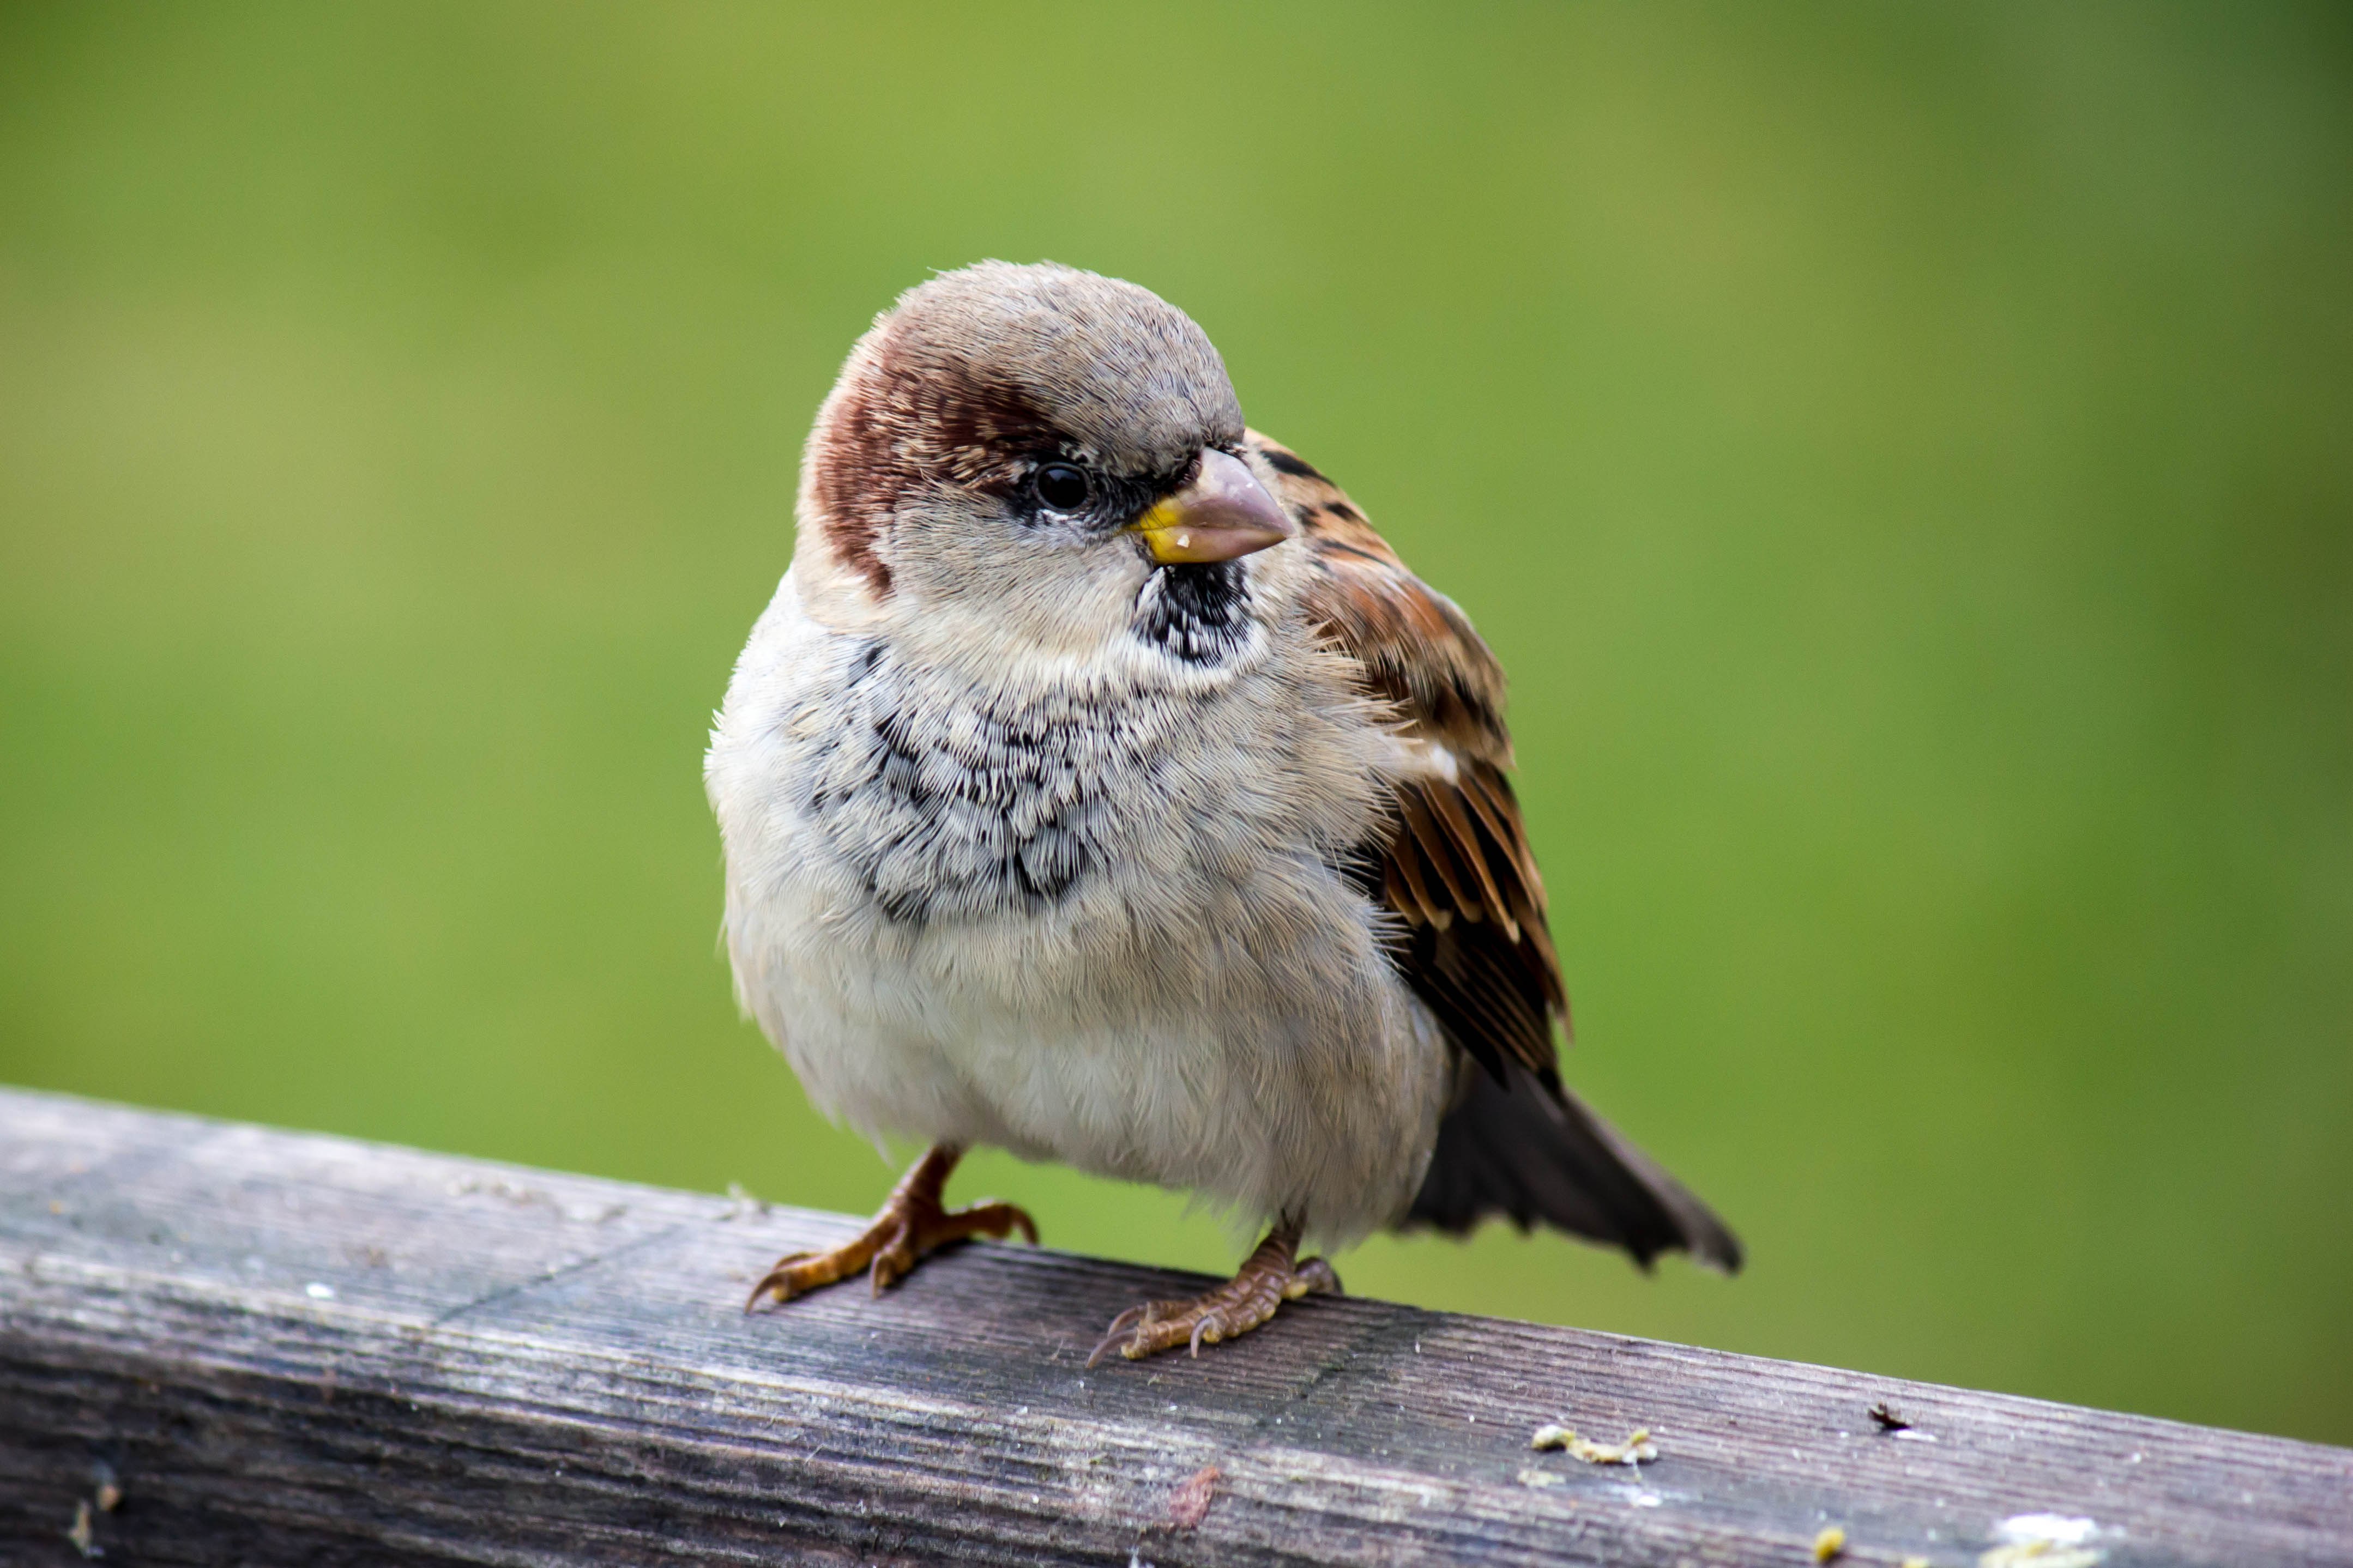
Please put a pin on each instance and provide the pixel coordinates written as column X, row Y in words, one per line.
column 1039, row 460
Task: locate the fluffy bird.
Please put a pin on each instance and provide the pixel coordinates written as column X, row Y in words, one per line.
column 1100, row 786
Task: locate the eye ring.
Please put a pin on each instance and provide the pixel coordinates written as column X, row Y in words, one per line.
column 1064, row 487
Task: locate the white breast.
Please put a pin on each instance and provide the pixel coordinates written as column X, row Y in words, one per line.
column 1090, row 914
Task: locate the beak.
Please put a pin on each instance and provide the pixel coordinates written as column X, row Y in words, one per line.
column 1223, row 514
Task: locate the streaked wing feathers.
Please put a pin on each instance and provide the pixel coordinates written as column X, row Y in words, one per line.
column 1457, row 866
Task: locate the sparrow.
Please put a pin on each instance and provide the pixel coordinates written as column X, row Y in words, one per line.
column 1100, row 786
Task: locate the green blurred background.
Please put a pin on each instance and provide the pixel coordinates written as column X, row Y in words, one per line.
column 1904, row 455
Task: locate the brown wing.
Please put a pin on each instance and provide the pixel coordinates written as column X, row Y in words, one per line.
column 1457, row 865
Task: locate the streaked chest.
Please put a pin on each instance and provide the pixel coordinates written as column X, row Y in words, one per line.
column 947, row 802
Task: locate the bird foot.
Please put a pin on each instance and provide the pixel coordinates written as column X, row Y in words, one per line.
column 912, row 1222
column 1266, row 1280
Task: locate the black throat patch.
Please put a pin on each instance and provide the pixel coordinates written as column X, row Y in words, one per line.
column 1196, row 613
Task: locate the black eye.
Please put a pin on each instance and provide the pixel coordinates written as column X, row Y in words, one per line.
column 1063, row 487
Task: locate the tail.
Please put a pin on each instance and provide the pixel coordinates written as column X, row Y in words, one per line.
column 1532, row 1152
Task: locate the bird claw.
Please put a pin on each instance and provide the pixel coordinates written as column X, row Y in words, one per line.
column 912, row 1225
column 1267, row 1280
column 1119, row 1326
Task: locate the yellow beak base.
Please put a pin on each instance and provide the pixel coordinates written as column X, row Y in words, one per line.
column 1222, row 515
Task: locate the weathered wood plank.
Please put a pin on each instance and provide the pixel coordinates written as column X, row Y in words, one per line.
column 298, row 1349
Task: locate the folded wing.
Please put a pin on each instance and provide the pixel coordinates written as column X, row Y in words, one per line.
column 1456, row 868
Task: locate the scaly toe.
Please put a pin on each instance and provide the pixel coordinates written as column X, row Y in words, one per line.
column 893, row 1261
column 1315, row 1276
column 779, row 1281
column 1119, row 1326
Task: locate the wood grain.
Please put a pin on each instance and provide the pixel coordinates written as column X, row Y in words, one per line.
column 305, row 1350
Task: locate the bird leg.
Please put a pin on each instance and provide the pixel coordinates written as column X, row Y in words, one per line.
column 912, row 1222
column 1267, row 1278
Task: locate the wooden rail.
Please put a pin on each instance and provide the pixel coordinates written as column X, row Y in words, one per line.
column 224, row 1345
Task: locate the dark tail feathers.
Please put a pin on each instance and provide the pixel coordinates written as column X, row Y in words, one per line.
column 1535, row 1154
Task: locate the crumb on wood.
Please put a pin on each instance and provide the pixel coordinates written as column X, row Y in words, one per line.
column 1637, row 1449
column 106, row 1487
column 1894, row 1423
column 2045, row 1541
column 739, row 1202
column 82, row 1535
column 1829, row 1543
column 521, row 1197
column 1188, row 1505
column 1532, row 1477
